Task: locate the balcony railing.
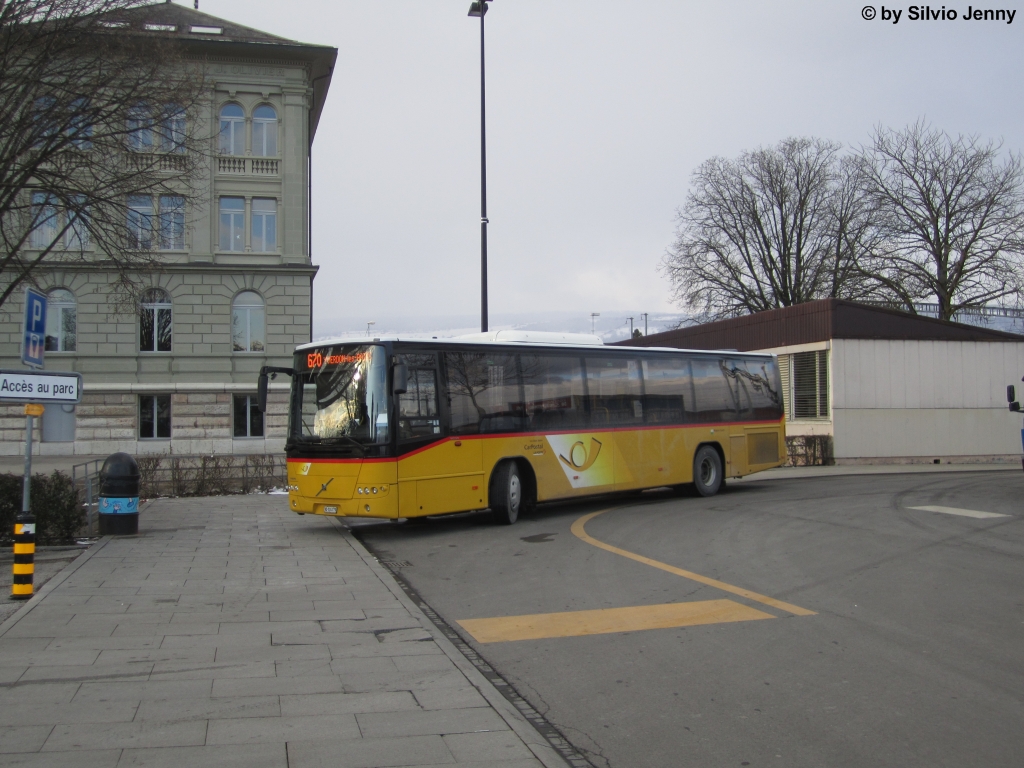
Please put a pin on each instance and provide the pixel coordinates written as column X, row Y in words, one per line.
column 150, row 161
column 248, row 166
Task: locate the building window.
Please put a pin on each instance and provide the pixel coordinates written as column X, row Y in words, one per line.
column 248, row 419
column 247, row 323
column 61, row 321
column 264, row 131
column 232, row 130
column 140, row 222
column 80, row 125
column 43, row 119
column 232, row 223
column 155, row 321
column 264, row 225
column 49, row 220
column 154, row 417
column 172, row 129
column 44, row 220
column 809, row 377
column 140, row 128
column 76, row 237
column 172, row 223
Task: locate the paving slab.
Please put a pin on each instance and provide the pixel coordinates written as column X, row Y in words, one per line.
column 231, row 632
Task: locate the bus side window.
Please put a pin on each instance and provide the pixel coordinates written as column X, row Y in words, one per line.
column 714, row 399
column 553, row 391
column 668, row 389
column 483, row 393
column 755, row 388
column 417, row 407
column 613, row 391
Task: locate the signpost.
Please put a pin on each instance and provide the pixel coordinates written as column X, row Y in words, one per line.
column 30, row 388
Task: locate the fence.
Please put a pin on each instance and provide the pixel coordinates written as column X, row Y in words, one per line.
column 173, row 475
column 85, row 479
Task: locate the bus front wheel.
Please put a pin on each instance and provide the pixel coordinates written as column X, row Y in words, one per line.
column 707, row 471
column 506, row 496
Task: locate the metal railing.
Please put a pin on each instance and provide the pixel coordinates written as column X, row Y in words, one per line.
column 85, row 477
column 931, row 309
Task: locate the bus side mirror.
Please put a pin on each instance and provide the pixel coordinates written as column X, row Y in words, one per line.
column 261, row 391
column 401, row 384
column 1011, row 393
column 1015, row 407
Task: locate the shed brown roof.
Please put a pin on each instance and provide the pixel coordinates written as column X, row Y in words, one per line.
column 817, row 321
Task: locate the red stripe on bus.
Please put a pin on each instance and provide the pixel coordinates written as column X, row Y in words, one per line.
column 536, row 434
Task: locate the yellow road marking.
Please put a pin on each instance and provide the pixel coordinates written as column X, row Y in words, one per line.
column 537, row 626
column 579, row 532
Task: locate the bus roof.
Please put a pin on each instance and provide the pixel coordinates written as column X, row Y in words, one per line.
column 474, row 340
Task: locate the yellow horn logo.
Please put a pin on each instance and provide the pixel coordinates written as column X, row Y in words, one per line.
column 586, row 458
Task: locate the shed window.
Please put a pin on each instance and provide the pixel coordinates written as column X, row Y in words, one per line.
column 809, row 379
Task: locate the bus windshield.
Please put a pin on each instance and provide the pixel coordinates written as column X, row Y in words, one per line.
column 340, row 395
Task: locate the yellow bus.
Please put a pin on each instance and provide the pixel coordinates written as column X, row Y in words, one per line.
column 501, row 421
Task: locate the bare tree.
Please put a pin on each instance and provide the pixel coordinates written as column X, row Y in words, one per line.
column 950, row 211
column 98, row 113
column 776, row 227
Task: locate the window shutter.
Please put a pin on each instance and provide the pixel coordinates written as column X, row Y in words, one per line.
column 785, row 363
column 810, row 385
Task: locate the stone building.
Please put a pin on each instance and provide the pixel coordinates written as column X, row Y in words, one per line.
column 178, row 374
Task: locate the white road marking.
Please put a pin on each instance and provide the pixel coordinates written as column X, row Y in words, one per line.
column 961, row 512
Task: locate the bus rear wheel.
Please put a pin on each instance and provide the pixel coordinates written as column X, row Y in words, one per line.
column 506, row 494
column 707, row 471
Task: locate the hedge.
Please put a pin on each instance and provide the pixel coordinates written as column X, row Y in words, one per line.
column 59, row 513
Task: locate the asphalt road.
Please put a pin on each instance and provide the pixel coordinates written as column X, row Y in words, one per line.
column 913, row 654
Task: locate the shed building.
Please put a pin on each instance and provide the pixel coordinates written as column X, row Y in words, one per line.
column 878, row 384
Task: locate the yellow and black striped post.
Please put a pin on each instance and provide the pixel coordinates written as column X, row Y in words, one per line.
column 24, row 557
column 25, row 523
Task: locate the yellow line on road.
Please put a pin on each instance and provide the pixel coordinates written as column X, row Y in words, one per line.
column 579, row 532
column 538, row 626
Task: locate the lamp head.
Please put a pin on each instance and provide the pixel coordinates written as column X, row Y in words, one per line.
column 478, row 8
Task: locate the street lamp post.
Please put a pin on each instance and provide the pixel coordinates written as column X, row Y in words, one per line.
column 479, row 8
column 593, row 321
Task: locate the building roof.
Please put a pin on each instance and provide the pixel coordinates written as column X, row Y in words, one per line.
column 219, row 37
column 817, row 321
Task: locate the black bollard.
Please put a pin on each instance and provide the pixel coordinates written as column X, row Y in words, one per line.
column 119, row 496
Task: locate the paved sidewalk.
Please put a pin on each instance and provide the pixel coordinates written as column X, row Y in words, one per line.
column 232, row 632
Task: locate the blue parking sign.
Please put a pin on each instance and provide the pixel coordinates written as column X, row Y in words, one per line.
column 35, row 329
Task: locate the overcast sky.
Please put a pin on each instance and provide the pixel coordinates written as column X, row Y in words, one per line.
column 598, row 111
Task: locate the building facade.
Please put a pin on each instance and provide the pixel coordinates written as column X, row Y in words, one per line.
column 177, row 373
column 879, row 385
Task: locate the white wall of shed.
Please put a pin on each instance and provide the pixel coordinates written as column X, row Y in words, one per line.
column 893, row 399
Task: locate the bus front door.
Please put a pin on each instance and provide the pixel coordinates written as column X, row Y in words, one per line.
column 436, row 473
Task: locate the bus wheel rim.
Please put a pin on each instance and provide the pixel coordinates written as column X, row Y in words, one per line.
column 513, row 493
column 707, row 472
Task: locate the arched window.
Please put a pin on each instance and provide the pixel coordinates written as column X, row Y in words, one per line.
column 61, row 321
column 248, row 323
column 155, row 321
column 264, row 131
column 232, row 130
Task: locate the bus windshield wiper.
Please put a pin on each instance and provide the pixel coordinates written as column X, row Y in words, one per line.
column 343, row 438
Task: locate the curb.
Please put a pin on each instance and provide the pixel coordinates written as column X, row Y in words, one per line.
column 52, row 584
column 537, row 744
